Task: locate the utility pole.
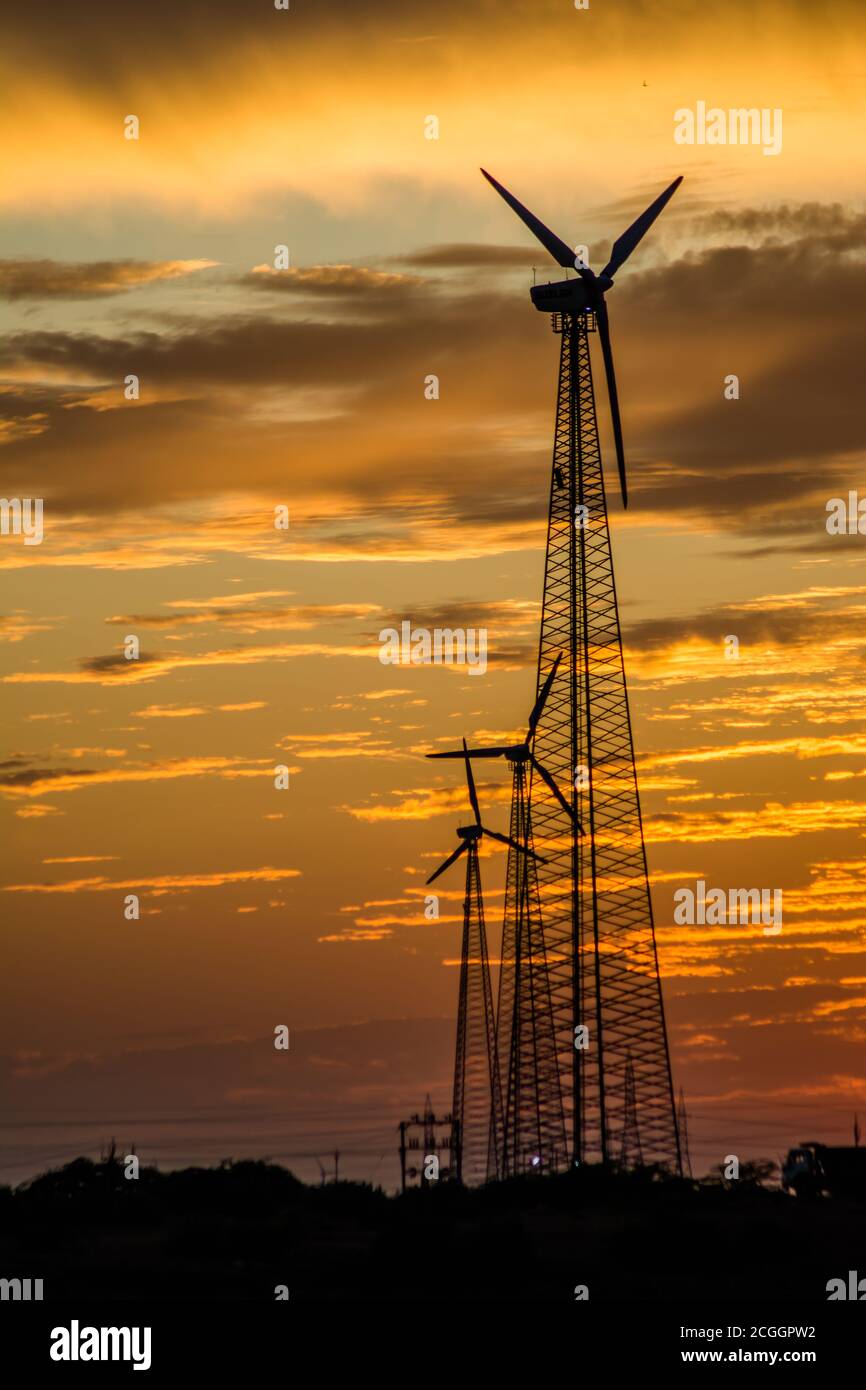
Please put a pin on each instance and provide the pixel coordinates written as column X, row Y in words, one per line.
column 403, row 1128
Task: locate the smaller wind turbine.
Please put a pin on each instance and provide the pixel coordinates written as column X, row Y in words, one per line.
column 471, row 834
column 533, row 1119
column 476, row 1112
column 521, row 753
column 588, row 292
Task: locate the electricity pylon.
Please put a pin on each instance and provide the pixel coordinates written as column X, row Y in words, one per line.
column 597, row 915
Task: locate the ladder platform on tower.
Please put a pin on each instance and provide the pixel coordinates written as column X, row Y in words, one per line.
column 559, row 322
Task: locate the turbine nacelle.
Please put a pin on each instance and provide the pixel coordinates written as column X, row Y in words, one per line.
column 562, row 297
column 518, row 754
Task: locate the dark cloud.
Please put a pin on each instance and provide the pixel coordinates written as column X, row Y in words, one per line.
column 29, row 409
column 46, row 279
column 470, row 254
column 786, row 315
column 245, row 351
column 332, row 280
column 788, row 321
column 161, row 36
column 246, row 617
column 30, row 775
column 813, row 620
column 101, row 664
column 465, row 613
column 502, row 622
column 833, row 225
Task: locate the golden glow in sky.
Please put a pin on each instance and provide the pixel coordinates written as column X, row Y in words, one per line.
column 153, row 259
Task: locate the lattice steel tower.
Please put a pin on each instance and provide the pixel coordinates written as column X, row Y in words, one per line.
column 532, row 1133
column 533, row 1122
column 477, row 1107
column 599, row 935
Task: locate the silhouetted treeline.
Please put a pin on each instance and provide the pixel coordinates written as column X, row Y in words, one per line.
column 240, row 1230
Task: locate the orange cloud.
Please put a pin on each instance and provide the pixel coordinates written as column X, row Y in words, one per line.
column 159, row 884
column 39, row 781
column 45, row 279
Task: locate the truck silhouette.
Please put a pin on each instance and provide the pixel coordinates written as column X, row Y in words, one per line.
column 814, row 1170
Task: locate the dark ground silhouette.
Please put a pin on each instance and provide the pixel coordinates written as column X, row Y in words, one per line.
column 239, row 1230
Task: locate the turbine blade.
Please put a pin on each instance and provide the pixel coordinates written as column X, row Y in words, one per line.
column 625, row 244
column 607, row 352
column 473, row 795
column 461, row 848
column 542, row 698
column 507, row 840
column 473, row 753
column 546, row 777
column 562, row 254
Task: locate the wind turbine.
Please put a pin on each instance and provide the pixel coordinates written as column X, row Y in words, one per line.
column 533, row 1127
column 477, row 1109
column 596, row 908
column 518, row 753
column 471, row 834
column 588, row 293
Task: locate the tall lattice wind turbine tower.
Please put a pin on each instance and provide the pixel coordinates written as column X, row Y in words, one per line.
column 599, row 935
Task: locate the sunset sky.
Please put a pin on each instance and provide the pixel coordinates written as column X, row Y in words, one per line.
column 305, row 388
